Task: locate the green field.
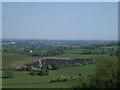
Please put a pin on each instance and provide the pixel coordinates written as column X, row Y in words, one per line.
column 23, row 79
column 10, row 58
column 78, row 56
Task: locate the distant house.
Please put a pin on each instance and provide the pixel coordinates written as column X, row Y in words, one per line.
column 13, row 43
column 31, row 51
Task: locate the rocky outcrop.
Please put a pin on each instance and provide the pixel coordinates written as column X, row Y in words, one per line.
column 61, row 61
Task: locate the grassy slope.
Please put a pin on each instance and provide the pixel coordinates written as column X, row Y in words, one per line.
column 78, row 56
column 9, row 58
column 43, row 81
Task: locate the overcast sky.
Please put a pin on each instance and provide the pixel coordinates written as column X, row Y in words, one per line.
column 76, row 21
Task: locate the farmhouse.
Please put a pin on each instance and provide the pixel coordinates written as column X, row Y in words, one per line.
column 61, row 61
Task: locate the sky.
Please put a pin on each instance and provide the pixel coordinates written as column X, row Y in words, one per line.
column 60, row 20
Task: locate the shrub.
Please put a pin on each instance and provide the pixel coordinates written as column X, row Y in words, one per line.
column 39, row 72
column 49, row 67
column 23, row 68
column 55, row 66
column 53, row 80
column 28, row 68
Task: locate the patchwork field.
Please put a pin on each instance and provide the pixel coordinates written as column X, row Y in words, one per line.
column 22, row 79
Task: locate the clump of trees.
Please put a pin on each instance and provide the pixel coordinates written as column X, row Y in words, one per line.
column 50, row 52
column 39, row 72
column 55, row 51
column 44, row 69
column 25, row 68
column 55, row 66
column 34, row 70
column 107, row 75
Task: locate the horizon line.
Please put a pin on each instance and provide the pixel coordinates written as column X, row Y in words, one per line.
column 56, row 39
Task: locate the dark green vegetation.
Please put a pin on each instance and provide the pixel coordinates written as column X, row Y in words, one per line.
column 102, row 74
column 106, row 75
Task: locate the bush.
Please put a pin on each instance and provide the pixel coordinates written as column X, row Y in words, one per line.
column 55, row 66
column 34, row 73
column 39, row 72
column 61, row 79
column 23, row 69
column 28, row 68
column 49, row 67
column 53, row 80
column 105, row 76
column 42, row 72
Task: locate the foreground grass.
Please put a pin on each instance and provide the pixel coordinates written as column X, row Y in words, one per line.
column 40, row 85
column 23, row 79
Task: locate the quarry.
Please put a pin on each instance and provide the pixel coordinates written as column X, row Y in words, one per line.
column 61, row 61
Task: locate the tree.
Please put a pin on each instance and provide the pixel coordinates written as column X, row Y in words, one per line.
column 28, row 68
column 39, row 72
column 43, row 72
column 23, row 69
column 49, row 67
column 106, row 75
column 55, row 66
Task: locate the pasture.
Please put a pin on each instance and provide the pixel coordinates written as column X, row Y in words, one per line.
column 9, row 58
column 23, row 79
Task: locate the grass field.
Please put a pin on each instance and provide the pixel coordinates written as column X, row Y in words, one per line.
column 10, row 58
column 78, row 56
column 40, row 85
column 23, row 79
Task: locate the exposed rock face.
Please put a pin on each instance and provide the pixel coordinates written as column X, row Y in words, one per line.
column 61, row 61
